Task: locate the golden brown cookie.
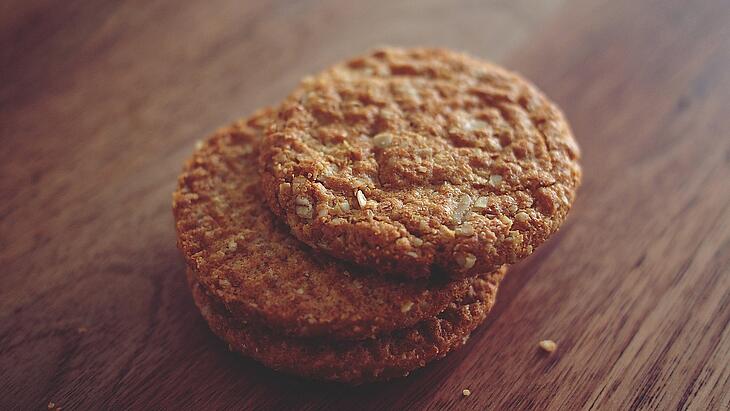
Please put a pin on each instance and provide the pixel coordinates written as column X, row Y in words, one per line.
column 249, row 261
column 353, row 362
column 420, row 161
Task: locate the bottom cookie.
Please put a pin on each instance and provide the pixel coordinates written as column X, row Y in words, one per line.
column 353, row 362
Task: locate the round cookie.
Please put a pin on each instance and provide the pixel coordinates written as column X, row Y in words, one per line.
column 353, row 362
column 420, row 161
column 249, row 260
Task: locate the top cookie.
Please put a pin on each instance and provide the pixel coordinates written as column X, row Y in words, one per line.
column 420, row 161
column 248, row 260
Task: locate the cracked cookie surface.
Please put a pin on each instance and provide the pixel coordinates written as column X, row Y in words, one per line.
column 248, row 259
column 354, row 362
column 420, row 161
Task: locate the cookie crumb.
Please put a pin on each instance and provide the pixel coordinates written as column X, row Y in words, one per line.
column 466, row 392
column 382, row 140
column 51, row 405
column 464, row 230
column 406, row 307
column 304, row 211
column 474, row 124
column 361, row 200
column 522, row 217
column 548, row 345
column 466, row 260
column 481, row 203
column 284, row 189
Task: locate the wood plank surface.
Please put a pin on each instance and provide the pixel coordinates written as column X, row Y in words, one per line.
column 101, row 102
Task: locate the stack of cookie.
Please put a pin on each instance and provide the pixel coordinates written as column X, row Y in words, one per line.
column 360, row 230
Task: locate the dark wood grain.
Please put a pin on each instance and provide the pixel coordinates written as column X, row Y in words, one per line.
column 100, row 103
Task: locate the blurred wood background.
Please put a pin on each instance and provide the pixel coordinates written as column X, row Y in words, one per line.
column 101, row 102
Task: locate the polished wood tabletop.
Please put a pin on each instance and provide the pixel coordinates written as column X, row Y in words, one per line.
column 102, row 101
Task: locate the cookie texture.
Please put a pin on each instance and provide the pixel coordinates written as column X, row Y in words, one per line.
column 249, row 261
column 420, row 162
column 353, row 362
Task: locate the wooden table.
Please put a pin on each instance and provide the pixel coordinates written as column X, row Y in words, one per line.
column 101, row 102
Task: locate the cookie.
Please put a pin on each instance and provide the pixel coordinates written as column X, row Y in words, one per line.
column 248, row 260
column 353, row 362
column 419, row 162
